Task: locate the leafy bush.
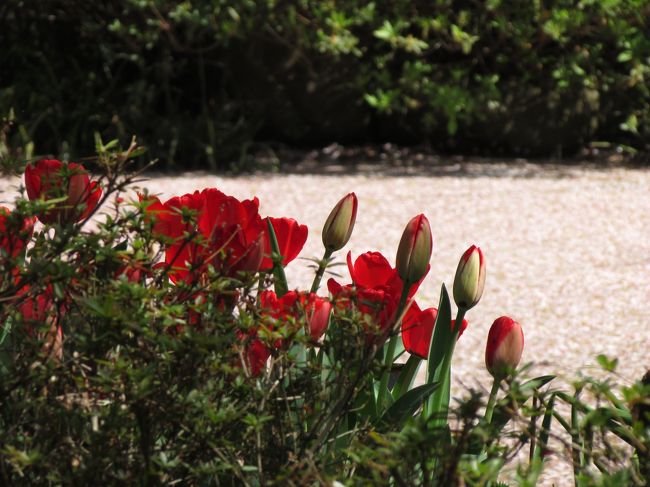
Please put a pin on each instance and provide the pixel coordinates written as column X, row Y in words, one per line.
column 160, row 343
column 201, row 81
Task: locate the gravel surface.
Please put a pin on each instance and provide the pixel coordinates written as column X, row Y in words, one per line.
column 567, row 250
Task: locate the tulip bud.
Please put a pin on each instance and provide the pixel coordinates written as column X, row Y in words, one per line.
column 505, row 344
column 340, row 222
column 470, row 278
column 320, row 317
column 414, row 251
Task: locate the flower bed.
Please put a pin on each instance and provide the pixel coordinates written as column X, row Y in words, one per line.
column 167, row 346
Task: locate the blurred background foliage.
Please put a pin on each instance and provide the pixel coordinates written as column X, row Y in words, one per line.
column 204, row 83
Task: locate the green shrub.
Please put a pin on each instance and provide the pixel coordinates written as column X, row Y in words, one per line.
column 203, row 81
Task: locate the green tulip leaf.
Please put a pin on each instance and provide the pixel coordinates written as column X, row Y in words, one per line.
column 441, row 335
column 440, row 343
column 280, row 281
column 536, row 383
column 406, row 376
column 407, row 404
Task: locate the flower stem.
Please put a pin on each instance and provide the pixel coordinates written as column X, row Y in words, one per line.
column 392, row 345
column 492, row 400
column 321, row 270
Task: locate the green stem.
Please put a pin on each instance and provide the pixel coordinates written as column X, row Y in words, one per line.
column 492, row 400
column 322, row 265
column 392, row 345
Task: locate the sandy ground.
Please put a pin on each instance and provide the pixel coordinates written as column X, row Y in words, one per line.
column 567, row 249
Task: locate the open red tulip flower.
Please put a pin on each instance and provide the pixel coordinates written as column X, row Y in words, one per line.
column 50, row 179
column 209, row 227
column 417, row 330
column 505, row 345
column 291, row 237
column 297, row 307
column 376, row 289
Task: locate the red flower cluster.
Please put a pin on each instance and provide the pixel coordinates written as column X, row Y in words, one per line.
column 50, row 179
column 211, row 228
column 376, row 289
column 291, row 310
column 300, row 307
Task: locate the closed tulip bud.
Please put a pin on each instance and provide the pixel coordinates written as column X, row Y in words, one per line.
column 505, row 344
column 470, row 278
column 414, row 251
column 320, row 317
column 340, row 222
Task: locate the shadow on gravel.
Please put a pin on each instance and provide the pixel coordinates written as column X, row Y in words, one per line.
column 391, row 161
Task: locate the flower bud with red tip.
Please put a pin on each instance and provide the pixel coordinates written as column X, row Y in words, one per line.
column 505, row 345
column 320, row 310
column 51, row 179
column 340, row 223
column 470, row 278
column 414, row 251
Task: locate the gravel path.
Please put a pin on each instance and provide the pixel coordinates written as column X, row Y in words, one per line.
column 567, row 250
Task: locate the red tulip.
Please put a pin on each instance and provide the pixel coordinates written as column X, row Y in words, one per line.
column 294, row 308
column 505, row 345
column 340, row 223
column 470, row 278
column 414, row 251
column 417, row 330
column 50, row 179
column 320, row 317
column 209, row 227
column 376, row 289
column 291, row 237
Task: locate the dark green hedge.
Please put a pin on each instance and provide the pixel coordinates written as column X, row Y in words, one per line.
column 200, row 81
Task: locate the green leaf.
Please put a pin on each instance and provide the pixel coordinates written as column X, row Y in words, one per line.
column 280, row 281
column 546, row 428
column 606, row 363
column 439, row 347
column 536, row 383
column 407, row 404
column 441, row 335
column 407, row 376
column 525, row 391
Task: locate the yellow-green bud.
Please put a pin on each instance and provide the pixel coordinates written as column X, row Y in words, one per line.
column 414, row 251
column 340, row 222
column 470, row 278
